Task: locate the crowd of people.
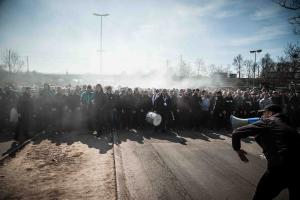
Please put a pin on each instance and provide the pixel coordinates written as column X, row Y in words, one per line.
column 100, row 109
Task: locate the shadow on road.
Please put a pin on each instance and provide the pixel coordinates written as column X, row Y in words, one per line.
column 140, row 136
column 103, row 143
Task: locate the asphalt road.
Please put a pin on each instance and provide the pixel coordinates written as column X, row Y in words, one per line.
column 185, row 165
column 6, row 141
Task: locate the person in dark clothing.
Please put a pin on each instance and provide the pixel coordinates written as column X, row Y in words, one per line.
column 247, row 106
column 116, row 111
column 276, row 99
column 188, row 101
column 9, row 102
column 46, row 103
column 144, row 107
column 219, row 111
column 25, row 109
column 99, row 100
column 2, row 106
column 136, row 97
column 87, row 107
column 73, row 103
column 293, row 109
column 196, row 109
column 162, row 105
column 205, row 110
column 281, row 146
column 229, row 107
column 173, row 97
column 59, row 105
column 110, row 108
column 181, row 111
column 128, row 109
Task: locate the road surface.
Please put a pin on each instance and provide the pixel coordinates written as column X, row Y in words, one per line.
column 186, row 165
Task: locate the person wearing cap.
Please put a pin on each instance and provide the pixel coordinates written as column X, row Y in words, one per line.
column 281, row 147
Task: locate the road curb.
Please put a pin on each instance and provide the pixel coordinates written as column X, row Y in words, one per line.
column 19, row 147
column 121, row 189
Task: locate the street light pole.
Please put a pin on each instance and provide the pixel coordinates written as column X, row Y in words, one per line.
column 101, row 50
column 255, row 51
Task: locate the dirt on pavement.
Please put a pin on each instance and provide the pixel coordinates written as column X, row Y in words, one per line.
column 61, row 166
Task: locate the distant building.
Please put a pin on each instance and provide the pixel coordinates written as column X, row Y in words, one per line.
column 232, row 75
column 222, row 75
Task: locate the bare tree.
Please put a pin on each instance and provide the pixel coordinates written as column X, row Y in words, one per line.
column 184, row 69
column 292, row 57
column 212, row 69
column 292, row 5
column 221, row 69
column 267, row 65
column 248, row 68
column 238, row 62
column 228, row 69
column 12, row 61
column 200, row 67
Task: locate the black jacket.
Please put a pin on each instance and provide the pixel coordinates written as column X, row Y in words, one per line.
column 25, row 108
column 162, row 104
column 280, row 142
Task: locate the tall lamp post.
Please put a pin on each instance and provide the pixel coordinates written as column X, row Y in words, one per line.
column 101, row 50
column 255, row 51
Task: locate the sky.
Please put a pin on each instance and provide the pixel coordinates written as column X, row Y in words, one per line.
column 139, row 36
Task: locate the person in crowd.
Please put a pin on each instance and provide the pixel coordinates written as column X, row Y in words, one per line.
column 100, row 102
column 229, row 108
column 144, row 106
column 73, row 104
column 205, row 109
column 181, row 110
column 59, row 108
column 187, row 100
column 276, row 99
column 238, row 99
column 293, row 108
column 127, row 108
column 46, row 107
column 248, row 105
column 174, row 120
column 219, row 111
column 86, row 100
column 155, row 95
column 162, row 105
column 266, row 100
column 136, row 98
column 25, row 111
column 281, row 146
column 196, row 109
column 116, row 111
column 2, row 106
column 110, row 109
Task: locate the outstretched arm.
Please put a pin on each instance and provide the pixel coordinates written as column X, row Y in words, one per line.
column 244, row 132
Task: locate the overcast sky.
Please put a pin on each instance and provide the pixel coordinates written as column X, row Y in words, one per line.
column 140, row 35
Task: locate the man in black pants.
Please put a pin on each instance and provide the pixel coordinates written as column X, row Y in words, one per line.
column 162, row 105
column 281, row 146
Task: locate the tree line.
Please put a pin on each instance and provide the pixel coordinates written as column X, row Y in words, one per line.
column 266, row 67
